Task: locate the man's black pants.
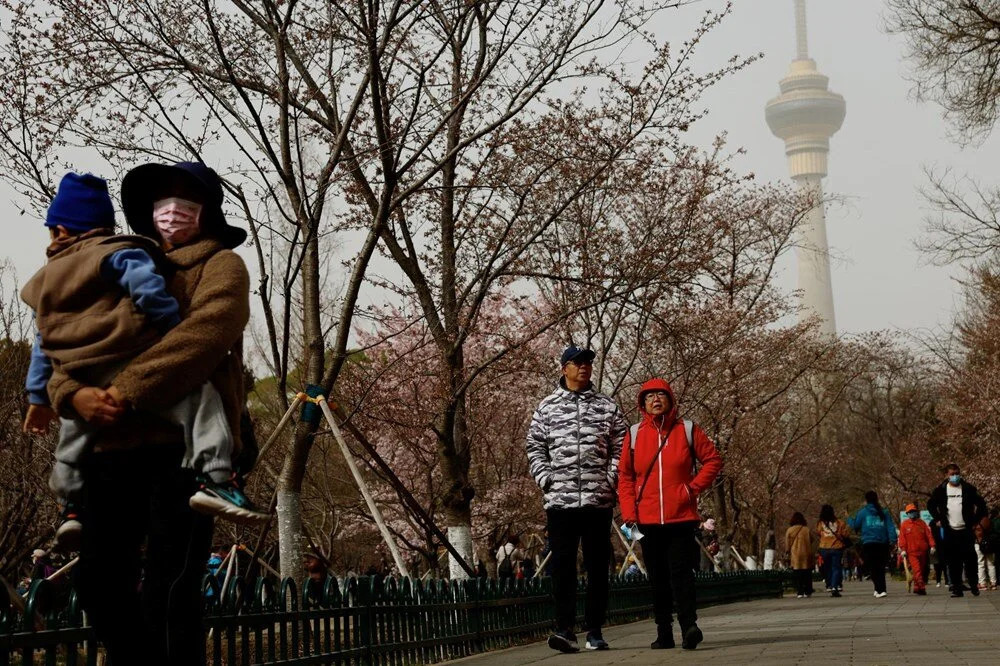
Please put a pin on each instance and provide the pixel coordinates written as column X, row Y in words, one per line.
column 960, row 552
column 131, row 498
column 669, row 554
column 567, row 529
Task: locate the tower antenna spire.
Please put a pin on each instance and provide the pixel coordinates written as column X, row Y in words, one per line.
column 801, row 39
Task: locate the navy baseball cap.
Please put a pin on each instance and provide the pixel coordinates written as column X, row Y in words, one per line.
column 574, row 353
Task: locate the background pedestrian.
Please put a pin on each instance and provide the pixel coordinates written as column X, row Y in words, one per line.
column 799, row 549
column 877, row 533
column 833, row 539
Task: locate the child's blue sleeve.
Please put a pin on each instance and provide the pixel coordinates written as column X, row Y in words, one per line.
column 136, row 272
column 39, row 371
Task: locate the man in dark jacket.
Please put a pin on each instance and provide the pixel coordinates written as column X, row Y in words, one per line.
column 958, row 506
column 573, row 446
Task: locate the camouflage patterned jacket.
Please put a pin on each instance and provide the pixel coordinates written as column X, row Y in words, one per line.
column 573, row 444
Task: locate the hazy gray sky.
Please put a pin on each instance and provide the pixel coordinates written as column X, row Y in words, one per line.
column 879, row 279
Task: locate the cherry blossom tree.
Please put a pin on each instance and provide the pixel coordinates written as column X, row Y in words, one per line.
column 29, row 512
column 354, row 124
column 398, row 389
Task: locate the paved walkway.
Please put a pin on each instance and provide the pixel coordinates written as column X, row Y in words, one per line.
column 854, row 629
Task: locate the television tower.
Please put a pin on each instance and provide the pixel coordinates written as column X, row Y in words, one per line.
column 805, row 115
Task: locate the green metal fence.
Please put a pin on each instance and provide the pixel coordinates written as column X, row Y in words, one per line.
column 355, row 621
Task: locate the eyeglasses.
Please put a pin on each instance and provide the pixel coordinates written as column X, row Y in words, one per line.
column 656, row 394
column 580, row 364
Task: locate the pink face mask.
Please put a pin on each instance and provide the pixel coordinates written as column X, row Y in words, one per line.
column 176, row 219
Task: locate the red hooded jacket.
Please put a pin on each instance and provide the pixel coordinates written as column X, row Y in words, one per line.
column 671, row 492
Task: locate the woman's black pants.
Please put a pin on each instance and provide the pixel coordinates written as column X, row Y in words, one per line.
column 670, row 557
column 803, row 581
column 876, row 555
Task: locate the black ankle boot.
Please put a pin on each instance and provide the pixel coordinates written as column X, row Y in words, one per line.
column 664, row 638
column 692, row 636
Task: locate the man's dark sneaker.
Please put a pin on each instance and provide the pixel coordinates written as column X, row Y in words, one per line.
column 664, row 638
column 692, row 636
column 956, row 593
column 595, row 641
column 226, row 501
column 975, row 591
column 70, row 531
column 564, row 641
column 922, row 593
column 835, row 593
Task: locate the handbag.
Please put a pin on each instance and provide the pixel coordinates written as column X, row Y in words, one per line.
column 990, row 543
column 845, row 540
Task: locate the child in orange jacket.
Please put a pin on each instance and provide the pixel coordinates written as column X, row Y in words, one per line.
column 916, row 543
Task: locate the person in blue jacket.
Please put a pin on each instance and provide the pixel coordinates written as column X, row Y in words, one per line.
column 877, row 531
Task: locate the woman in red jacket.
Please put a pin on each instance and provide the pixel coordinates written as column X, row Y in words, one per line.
column 659, row 490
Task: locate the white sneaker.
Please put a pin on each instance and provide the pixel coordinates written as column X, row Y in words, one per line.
column 800, row 596
column 879, row 595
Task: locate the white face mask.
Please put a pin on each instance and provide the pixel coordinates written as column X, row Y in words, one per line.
column 176, row 220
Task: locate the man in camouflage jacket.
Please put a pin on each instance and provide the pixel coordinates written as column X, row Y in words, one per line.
column 573, row 445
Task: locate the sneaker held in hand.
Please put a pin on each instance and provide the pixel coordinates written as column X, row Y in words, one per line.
column 69, row 534
column 226, row 500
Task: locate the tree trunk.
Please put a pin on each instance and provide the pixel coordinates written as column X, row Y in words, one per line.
column 721, row 514
column 460, row 535
column 289, row 512
column 455, row 458
column 289, row 509
column 293, row 469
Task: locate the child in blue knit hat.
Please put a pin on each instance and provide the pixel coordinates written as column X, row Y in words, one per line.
column 98, row 302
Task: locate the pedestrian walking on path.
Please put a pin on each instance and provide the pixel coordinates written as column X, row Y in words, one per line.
column 573, row 445
column 137, row 487
column 659, row 492
column 938, row 559
column 916, row 544
column 833, row 540
column 801, row 557
column 987, row 542
column 877, row 531
column 508, row 555
column 959, row 507
column 101, row 300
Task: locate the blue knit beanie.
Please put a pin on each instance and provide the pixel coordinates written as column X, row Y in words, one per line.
column 81, row 204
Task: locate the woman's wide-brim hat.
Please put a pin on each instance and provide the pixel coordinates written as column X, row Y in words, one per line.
column 145, row 184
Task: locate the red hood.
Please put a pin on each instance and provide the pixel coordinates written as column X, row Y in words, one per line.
column 657, row 384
